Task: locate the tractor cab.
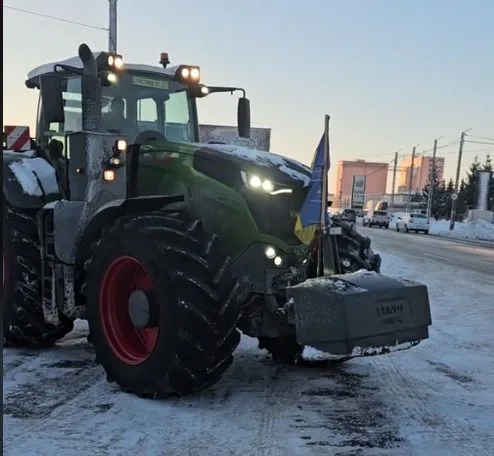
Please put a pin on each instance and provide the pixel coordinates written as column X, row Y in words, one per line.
column 138, row 102
column 134, row 99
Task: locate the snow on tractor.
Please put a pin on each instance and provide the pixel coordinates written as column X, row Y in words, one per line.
column 171, row 248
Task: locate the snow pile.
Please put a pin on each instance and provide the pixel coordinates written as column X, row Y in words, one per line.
column 262, row 158
column 476, row 230
column 35, row 175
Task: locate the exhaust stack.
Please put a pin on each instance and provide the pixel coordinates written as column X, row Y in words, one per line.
column 91, row 91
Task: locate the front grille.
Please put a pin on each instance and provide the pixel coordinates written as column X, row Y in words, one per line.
column 275, row 215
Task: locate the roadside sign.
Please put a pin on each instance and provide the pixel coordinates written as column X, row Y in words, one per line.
column 454, row 196
column 358, row 192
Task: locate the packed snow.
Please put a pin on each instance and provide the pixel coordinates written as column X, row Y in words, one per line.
column 435, row 399
column 481, row 230
column 262, row 158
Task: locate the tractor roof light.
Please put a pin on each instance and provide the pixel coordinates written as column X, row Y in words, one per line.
column 107, row 61
column 115, row 62
column 188, row 74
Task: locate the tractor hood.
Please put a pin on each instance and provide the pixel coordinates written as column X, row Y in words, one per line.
column 267, row 164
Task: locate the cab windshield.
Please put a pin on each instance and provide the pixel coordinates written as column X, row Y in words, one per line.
column 138, row 102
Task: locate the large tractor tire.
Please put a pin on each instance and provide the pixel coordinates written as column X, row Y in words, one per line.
column 23, row 320
column 162, row 305
column 355, row 254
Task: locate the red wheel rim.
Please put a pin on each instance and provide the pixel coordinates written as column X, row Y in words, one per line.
column 130, row 344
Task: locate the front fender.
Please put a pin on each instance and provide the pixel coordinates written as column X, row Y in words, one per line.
column 117, row 208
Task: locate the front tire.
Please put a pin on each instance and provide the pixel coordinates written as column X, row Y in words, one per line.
column 193, row 306
column 23, row 319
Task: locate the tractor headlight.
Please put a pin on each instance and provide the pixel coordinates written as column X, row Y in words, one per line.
column 107, row 61
column 256, row 182
column 111, row 78
column 270, row 252
column 188, row 74
column 108, row 78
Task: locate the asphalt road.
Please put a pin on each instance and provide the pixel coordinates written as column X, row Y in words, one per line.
column 462, row 254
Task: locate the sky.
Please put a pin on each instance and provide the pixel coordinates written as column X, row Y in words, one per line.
column 390, row 73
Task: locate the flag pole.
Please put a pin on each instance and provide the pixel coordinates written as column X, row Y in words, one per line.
column 324, row 193
column 324, row 200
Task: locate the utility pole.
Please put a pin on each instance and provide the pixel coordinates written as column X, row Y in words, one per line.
column 432, row 172
column 454, row 197
column 410, row 181
column 395, row 166
column 112, row 28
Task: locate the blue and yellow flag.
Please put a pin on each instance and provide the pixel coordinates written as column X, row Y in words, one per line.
column 309, row 219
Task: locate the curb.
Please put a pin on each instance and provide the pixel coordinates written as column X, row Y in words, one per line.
column 488, row 244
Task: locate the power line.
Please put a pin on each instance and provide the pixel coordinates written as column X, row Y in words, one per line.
column 377, row 170
column 440, row 147
column 68, row 21
column 480, row 142
column 481, row 137
column 481, row 150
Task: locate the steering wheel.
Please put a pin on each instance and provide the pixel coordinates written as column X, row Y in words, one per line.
column 147, row 136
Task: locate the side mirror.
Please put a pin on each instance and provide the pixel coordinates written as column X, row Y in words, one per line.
column 243, row 117
column 52, row 98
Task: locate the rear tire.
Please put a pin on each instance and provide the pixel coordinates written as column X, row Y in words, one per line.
column 194, row 301
column 355, row 254
column 23, row 319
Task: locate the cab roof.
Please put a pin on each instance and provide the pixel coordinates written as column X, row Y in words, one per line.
column 48, row 68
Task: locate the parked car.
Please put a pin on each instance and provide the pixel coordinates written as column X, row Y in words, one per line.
column 349, row 215
column 413, row 222
column 376, row 218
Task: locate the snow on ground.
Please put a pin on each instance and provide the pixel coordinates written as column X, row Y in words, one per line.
column 481, row 230
column 435, row 399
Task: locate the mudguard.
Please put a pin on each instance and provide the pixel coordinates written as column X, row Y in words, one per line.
column 70, row 251
column 29, row 182
column 360, row 313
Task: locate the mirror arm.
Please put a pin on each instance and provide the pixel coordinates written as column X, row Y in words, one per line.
column 218, row 89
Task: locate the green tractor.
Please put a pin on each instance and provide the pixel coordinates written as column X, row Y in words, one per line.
column 171, row 248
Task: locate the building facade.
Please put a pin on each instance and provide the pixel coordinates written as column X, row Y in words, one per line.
column 420, row 175
column 375, row 176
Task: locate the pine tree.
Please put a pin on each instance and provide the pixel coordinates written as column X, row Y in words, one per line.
column 489, row 166
column 446, row 202
column 470, row 191
column 461, row 202
column 436, row 193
